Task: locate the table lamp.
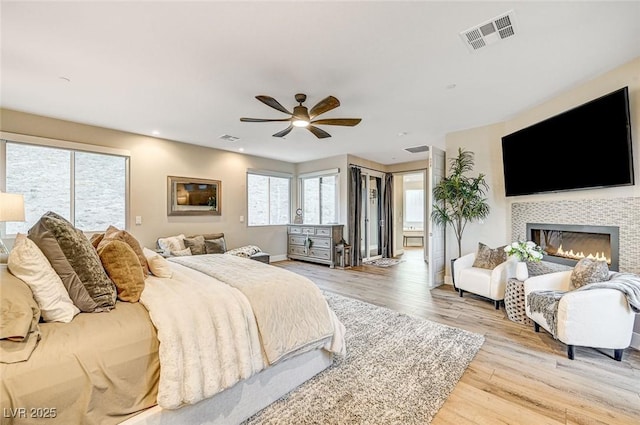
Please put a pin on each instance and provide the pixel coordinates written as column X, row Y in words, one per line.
column 11, row 209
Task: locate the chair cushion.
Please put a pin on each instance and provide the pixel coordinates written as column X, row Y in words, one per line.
column 589, row 271
column 488, row 258
column 476, row 280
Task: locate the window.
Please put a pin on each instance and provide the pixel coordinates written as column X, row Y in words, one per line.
column 88, row 189
column 320, row 198
column 414, row 206
column 268, row 198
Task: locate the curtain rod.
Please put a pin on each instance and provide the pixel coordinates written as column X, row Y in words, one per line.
column 362, row 166
column 392, row 172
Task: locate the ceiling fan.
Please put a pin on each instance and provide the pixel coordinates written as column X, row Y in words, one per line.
column 301, row 117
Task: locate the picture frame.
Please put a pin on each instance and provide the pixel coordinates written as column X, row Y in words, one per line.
column 193, row 196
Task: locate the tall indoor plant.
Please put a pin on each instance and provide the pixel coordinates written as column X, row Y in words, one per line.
column 460, row 199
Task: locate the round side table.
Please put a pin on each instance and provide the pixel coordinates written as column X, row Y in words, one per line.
column 514, row 302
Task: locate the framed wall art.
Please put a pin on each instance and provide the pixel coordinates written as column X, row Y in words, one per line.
column 193, row 196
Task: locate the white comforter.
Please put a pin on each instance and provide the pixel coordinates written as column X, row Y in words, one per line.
column 208, row 336
column 213, row 334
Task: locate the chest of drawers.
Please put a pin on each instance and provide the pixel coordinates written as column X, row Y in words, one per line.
column 313, row 242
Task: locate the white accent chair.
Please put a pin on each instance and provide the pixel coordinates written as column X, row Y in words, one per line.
column 598, row 318
column 484, row 282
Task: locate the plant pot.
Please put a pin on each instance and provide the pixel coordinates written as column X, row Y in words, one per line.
column 522, row 272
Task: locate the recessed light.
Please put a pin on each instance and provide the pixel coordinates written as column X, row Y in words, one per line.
column 240, row 149
column 155, row 132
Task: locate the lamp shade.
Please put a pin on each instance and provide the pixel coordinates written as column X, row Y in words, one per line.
column 11, row 207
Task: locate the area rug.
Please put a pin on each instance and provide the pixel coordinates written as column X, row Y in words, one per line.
column 398, row 370
column 383, row 262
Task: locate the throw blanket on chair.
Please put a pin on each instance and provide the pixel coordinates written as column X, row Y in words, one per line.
column 546, row 302
column 627, row 283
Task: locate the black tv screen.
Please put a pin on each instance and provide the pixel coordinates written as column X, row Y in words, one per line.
column 586, row 147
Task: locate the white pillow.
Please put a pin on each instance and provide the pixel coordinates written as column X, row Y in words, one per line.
column 29, row 264
column 181, row 253
column 172, row 243
column 158, row 265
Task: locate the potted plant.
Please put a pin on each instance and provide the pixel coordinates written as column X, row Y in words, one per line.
column 460, row 199
column 524, row 251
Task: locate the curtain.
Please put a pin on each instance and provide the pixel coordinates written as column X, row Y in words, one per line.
column 387, row 216
column 355, row 212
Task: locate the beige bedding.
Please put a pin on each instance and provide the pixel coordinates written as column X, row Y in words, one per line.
column 290, row 310
column 99, row 369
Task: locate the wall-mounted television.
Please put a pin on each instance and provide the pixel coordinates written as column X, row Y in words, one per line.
column 586, row 147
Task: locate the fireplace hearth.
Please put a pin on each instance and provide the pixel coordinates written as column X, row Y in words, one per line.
column 567, row 244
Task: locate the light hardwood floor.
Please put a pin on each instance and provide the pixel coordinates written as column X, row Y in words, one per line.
column 518, row 376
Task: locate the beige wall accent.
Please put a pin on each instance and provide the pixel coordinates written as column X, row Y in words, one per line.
column 152, row 160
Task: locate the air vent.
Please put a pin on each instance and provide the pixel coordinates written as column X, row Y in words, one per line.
column 489, row 32
column 228, row 138
column 417, row 149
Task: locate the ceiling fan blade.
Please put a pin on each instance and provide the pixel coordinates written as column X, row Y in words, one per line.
column 326, row 104
column 284, row 132
column 263, row 119
column 320, row 134
column 269, row 101
column 350, row 122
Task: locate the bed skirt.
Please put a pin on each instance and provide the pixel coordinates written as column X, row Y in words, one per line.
column 240, row 402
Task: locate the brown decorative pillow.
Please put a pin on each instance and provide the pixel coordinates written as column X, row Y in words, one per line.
column 95, row 239
column 76, row 262
column 113, row 233
column 589, row 271
column 488, row 258
column 215, row 246
column 124, row 268
column 195, row 244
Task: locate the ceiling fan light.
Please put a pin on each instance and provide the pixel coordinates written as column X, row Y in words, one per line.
column 300, row 123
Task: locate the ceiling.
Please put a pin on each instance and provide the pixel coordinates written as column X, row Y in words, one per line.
column 190, row 70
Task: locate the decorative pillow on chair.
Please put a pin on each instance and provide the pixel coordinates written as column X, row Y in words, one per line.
column 123, row 267
column 29, row 264
column 113, row 233
column 76, row 261
column 589, row 271
column 195, row 244
column 487, row 258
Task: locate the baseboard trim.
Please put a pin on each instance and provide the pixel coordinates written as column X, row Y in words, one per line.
column 282, row 257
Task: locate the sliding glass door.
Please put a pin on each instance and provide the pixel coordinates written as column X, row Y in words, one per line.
column 371, row 218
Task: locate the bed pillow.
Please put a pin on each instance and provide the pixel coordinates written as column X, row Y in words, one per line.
column 171, row 243
column 487, row 258
column 95, row 239
column 113, row 233
column 181, row 253
column 29, row 264
column 214, row 244
column 195, row 244
column 588, row 271
column 158, row 265
column 19, row 316
column 123, row 267
column 75, row 260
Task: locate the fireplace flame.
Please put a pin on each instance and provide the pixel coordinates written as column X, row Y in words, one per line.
column 580, row 255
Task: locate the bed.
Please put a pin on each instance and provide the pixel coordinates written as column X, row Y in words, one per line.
column 198, row 347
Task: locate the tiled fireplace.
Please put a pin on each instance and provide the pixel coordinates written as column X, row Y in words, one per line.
column 620, row 213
